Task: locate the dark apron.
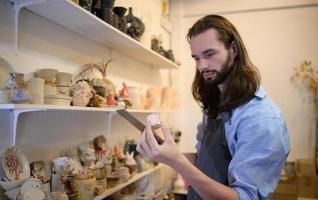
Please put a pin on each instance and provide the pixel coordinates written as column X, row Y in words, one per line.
column 214, row 157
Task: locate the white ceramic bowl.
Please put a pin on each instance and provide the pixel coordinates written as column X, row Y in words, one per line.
column 9, row 185
column 47, row 74
column 14, row 193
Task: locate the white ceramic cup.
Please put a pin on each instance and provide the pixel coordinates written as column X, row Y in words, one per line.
column 134, row 94
column 36, row 90
column 63, row 79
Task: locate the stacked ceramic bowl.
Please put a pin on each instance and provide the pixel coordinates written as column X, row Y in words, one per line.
column 56, row 87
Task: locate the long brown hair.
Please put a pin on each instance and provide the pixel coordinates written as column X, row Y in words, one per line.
column 243, row 80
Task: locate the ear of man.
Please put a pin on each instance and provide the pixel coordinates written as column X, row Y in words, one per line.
column 233, row 50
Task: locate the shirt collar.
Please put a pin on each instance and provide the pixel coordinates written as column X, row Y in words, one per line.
column 260, row 93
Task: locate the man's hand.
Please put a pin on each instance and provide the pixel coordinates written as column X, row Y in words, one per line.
column 167, row 153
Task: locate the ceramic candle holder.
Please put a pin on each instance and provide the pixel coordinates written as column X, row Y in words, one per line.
column 63, row 79
column 36, row 90
column 47, row 74
column 85, row 188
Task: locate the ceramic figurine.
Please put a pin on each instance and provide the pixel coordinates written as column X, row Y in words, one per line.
column 123, row 93
column 81, row 93
column 103, row 155
column 130, row 162
column 97, row 101
column 87, row 156
column 40, row 170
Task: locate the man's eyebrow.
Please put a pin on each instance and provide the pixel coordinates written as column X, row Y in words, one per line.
column 209, row 51
column 204, row 52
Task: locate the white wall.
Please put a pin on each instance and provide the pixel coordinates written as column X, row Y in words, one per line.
column 43, row 44
column 279, row 35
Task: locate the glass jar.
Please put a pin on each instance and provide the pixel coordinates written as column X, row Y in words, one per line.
column 17, row 87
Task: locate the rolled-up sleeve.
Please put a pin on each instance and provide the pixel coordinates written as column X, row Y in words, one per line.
column 260, row 152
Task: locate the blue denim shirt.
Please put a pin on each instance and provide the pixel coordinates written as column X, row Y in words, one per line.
column 258, row 140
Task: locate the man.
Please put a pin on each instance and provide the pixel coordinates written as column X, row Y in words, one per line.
column 244, row 140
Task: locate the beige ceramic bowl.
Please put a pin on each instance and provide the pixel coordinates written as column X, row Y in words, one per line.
column 47, row 74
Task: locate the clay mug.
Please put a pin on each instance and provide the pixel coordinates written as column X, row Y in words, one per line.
column 35, row 88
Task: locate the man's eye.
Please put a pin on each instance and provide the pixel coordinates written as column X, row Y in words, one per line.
column 209, row 55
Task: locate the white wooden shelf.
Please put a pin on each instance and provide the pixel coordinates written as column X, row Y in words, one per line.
column 17, row 109
column 73, row 17
column 130, row 181
column 70, row 108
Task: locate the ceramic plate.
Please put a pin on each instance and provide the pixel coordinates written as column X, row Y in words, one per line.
column 5, row 69
column 15, row 165
column 34, row 194
column 31, row 184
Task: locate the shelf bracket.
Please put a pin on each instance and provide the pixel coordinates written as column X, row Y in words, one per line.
column 17, row 6
column 14, row 121
column 109, row 121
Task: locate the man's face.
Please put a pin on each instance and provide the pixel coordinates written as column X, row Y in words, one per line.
column 212, row 59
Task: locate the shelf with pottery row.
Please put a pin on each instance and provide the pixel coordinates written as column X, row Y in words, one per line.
column 17, row 109
column 130, row 181
column 75, row 18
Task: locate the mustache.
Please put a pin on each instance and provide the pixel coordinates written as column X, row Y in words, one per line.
column 208, row 71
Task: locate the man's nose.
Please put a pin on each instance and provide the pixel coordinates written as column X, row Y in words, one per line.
column 203, row 64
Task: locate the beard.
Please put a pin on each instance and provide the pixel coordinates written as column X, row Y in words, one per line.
column 220, row 76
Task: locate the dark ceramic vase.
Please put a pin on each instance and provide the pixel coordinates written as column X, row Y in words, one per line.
column 107, row 4
column 122, row 22
column 135, row 27
column 106, row 14
column 120, row 11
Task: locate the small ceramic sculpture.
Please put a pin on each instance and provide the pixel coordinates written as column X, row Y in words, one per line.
column 40, row 170
column 87, row 156
column 81, row 93
column 130, row 162
column 123, row 94
column 103, row 154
